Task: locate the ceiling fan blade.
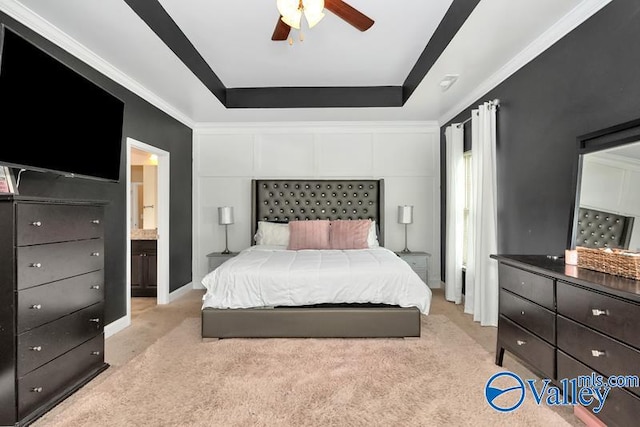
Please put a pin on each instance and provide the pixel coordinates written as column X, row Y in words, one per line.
column 281, row 32
column 349, row 14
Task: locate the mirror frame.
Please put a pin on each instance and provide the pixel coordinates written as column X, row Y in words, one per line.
column 603, row 139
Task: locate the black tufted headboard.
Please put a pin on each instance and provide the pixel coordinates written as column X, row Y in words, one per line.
column 284, row 200
column 599, row 229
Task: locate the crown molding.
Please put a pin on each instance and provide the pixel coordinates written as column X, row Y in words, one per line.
column 564, row 26
column 35, row 22
column 317, row 127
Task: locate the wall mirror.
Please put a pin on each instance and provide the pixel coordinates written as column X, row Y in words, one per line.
column 607, row 201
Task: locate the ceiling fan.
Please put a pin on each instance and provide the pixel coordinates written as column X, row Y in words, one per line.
column 291, row 12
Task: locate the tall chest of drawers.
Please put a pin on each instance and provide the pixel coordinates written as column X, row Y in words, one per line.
column 567, row 322
column 51, row 302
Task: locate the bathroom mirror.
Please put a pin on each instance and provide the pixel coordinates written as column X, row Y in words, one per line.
column 607, row 201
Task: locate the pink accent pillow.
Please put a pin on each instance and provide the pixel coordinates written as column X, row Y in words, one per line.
column 309, row 235
column 351, row 234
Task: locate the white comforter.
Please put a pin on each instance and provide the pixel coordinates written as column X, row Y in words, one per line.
column 263, row 276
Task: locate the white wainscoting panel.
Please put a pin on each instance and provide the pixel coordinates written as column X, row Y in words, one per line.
column 233, row 158
column 345, row 154
column 228, row 157
column 405, row 154
column 285, row 155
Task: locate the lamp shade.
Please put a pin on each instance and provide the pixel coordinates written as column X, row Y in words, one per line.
column 405, row 214
column 225, row 215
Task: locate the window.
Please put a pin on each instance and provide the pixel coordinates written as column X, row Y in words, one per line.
column 467, row 206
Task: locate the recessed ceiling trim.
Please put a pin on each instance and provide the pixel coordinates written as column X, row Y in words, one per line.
column 315, row 97
column 154, row 15
column 453, row 20
column 161, row 23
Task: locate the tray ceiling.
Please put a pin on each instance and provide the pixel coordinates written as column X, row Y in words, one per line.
column 214, row 61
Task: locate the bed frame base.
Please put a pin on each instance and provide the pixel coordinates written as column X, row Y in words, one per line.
column 312, row 322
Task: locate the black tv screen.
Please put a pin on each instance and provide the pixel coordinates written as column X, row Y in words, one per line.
column 54, row 119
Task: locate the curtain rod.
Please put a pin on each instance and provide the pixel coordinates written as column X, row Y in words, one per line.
column 492, row 103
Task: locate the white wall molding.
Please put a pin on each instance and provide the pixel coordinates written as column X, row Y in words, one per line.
column 316, row 127
column 564, row 26
column 58, row 37
column 227, row 157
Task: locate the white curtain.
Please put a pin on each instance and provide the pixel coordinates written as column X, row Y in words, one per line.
column 455, row 212
column 481, row 293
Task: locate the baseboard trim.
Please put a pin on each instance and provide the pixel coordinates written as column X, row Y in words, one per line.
column 180, row 292
column 117, row 326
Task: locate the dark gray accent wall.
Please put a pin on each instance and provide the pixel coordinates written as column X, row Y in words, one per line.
column 588, row 80
column 145, row 123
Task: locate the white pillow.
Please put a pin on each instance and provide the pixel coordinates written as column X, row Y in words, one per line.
column 372, row 238
column 272, row 233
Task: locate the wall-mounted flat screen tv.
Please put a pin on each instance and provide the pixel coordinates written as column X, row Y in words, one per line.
column 54, row 119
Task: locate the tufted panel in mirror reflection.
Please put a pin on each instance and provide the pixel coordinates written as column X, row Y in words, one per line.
column 608, row 213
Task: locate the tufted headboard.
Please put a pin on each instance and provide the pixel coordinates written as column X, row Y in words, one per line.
column 599, row 229
column 284, row 200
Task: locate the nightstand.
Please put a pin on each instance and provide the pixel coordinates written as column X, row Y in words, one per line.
column 216, row 259
column 419, row 262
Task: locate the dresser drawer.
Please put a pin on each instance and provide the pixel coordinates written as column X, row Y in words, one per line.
column 621, row 408
column 51, row 380
column 598, row 351
column 47, row 263
column 527, row 346
column 38, row 223
column 38, row 346
column 531, row 316
column 533, row 287
column 603, row 313
column 44, row 303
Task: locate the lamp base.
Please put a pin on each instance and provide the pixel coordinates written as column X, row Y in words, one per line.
column 225, row 252
column 405, row 251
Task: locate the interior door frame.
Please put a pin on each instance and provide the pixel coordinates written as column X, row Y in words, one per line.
column 163, row 202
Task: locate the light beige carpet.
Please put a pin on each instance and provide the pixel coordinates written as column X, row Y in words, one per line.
column 181, row 381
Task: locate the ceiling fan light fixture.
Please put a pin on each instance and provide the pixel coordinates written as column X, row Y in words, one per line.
column 292, row 10
column 313, row 19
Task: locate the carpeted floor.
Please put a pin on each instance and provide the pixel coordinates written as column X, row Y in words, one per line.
column 182, row 381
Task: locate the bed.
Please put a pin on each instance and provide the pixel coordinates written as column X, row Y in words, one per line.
column 271, row 292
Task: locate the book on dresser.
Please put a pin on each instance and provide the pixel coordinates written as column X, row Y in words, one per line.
column 566, row 322
column 51, row 302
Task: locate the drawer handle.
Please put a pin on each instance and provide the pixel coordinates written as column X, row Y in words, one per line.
column 37, row 223
column 36, row 307
column 96, row 287
column 95, row 221
column 598, row 353
column 522, row 312
column 95, row 320
column 36, row 348
column 35, row 265
column 36, row 389
column 95, row 353
column 95, row 253
column 520, row 342
column 598, row 312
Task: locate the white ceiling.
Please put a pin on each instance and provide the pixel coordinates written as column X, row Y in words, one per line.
column 234, row 38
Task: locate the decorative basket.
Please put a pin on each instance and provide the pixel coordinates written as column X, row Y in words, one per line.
column 612, row 261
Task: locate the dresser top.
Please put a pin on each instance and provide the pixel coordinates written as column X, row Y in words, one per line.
column 557, row 269
column 52, row 200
